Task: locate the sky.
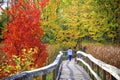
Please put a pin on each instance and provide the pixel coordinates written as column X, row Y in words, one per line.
column 4, row 5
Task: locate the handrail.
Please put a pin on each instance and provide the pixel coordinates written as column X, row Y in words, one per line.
column 85, row 58
column 95, row 75
column 28, row 75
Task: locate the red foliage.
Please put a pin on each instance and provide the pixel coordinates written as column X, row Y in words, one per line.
column 24, row 31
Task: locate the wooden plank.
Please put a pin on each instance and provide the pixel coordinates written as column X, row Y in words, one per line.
column 72, row 71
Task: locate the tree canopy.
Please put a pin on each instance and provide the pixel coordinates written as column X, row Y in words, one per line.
column 86, row 19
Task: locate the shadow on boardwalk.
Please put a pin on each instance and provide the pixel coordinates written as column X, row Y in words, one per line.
column 72, row 71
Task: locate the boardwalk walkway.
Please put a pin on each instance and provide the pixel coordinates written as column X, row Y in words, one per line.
column 72, row 71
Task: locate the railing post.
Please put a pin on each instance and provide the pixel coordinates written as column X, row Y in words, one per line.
column 59, row 70
column 98, row 71
column 54, row 74
column 112, row 78
column 91, row 67
column 104, row 75
column 93, row 70
column 44, row 77
column 83, row 60
column 88, row 64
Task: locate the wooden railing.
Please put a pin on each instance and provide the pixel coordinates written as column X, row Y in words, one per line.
column 97, row 69
column 55, row 68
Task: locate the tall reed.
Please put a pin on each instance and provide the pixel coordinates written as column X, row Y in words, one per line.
column 107, row 53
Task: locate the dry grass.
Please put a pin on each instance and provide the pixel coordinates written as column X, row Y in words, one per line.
column 107, row 53
column 53, row 51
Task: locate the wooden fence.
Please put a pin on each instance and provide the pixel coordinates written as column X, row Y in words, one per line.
column 55, row 68
column 97, row 69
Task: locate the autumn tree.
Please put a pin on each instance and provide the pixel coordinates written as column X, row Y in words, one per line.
column 108, row 11
column 22, row 43
column 53, row 24
column 51, row 21
column 93, row 20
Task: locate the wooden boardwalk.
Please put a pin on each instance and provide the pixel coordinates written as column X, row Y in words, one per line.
column 72, row 71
